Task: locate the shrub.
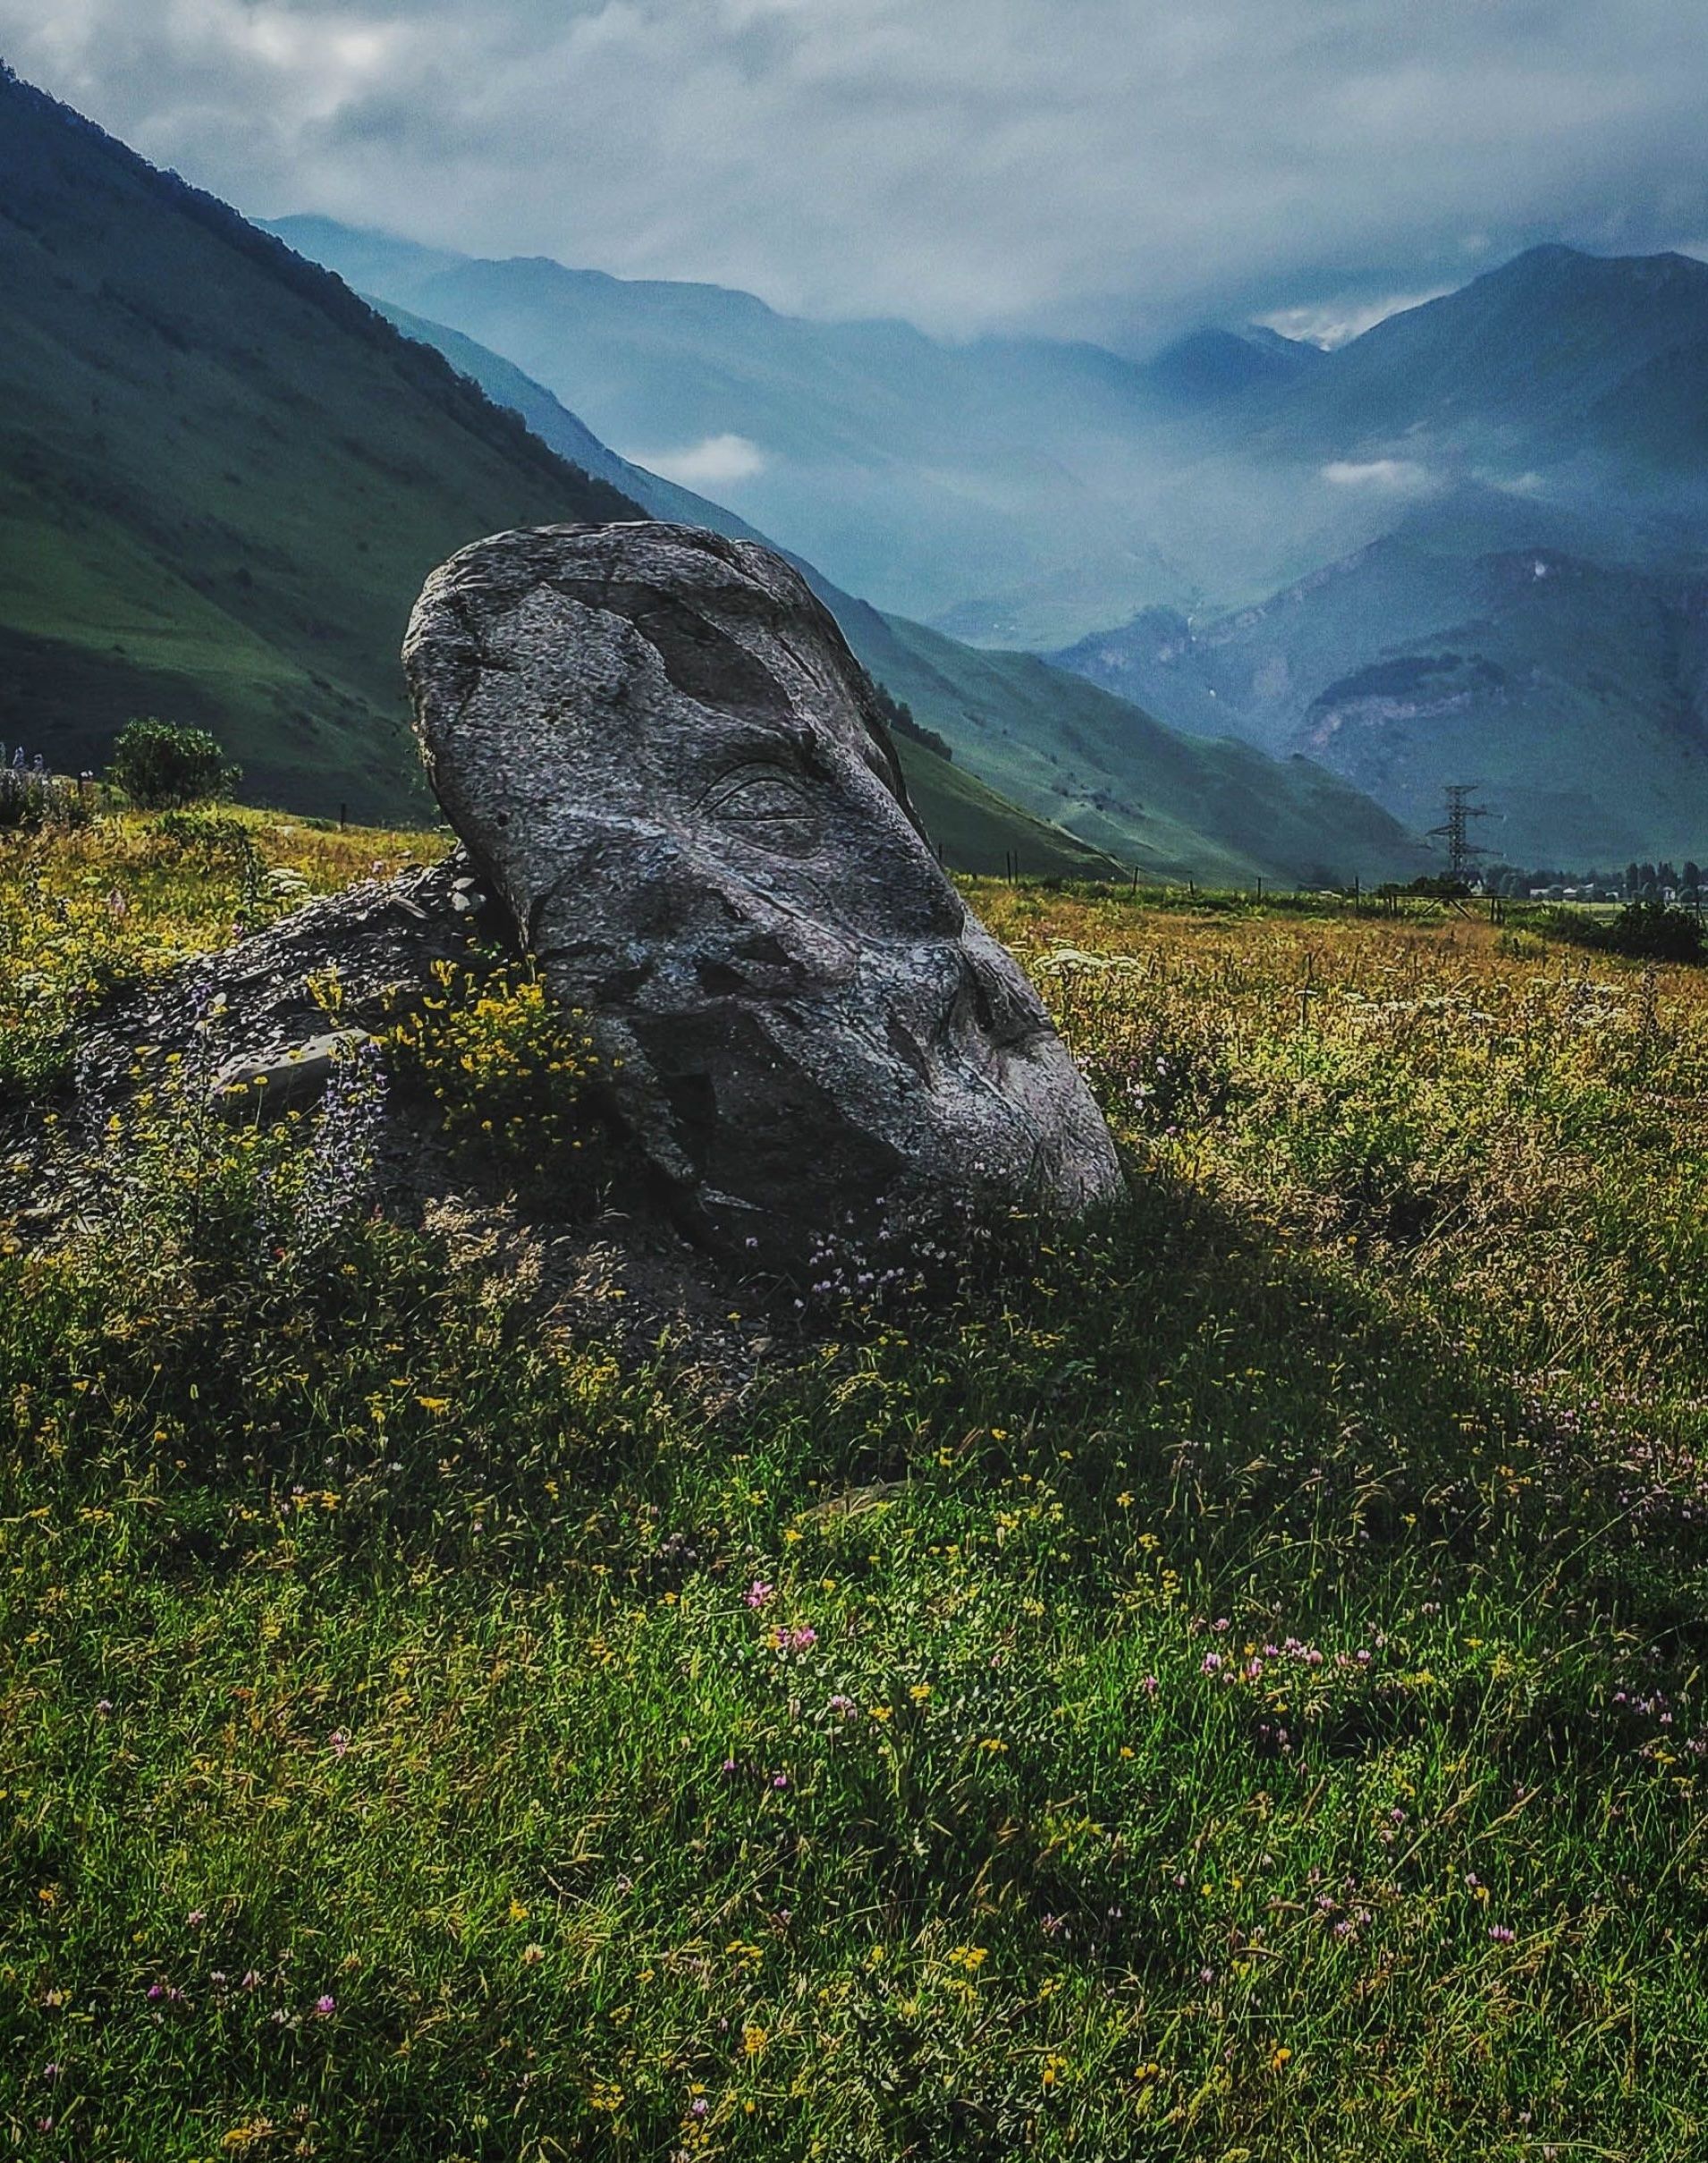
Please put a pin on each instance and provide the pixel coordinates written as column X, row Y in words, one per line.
column 509, row 1073
column 898, row 718
column 214, row 836
column 1647, row 931
column 161, row 766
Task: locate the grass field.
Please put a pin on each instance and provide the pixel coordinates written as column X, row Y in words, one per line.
column 1224, row 1684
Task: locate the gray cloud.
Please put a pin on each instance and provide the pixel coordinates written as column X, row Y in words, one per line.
column 1112, row 167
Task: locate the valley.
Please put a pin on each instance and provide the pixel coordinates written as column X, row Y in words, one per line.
column 852, row 1145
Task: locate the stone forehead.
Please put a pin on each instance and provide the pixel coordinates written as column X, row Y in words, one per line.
column 739, row 576
column 736, row 630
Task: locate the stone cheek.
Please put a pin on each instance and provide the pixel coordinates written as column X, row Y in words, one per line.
column 659, row 748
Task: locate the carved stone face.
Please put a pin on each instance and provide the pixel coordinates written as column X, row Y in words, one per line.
column 658, row 746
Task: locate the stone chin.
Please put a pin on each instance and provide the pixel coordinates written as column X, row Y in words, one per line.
column 659, row 745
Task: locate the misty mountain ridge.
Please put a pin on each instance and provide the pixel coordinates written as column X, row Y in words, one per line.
column 931, row 475
column 1299, row 518
column 1575, row 691
column 1026, row 490
column 1098, row 772
column 1212, row 365
column 1536, row 347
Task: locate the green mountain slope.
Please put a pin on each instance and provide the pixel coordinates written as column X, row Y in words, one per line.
column 221, row 478
column 978, row 830
column 1169, row 804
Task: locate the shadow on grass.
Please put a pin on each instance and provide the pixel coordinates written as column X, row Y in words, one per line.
column 1290, row 1416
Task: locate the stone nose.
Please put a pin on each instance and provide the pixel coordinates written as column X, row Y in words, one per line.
column 994, row 1008
column 760, row 964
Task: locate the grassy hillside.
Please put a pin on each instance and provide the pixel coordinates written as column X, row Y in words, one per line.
column 1229, row 1684
column 222, row 478
column 1169, row 804
column 976, row 830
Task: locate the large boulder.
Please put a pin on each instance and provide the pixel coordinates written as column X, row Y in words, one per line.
column 659, row 750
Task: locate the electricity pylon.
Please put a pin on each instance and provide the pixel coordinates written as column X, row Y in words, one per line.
column 1460, row 849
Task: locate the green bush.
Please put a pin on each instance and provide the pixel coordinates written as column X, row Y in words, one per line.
column 1647, row 931
column 161, row 767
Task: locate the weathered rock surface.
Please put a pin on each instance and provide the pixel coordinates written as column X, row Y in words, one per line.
column 656, row 744
column 379, row 940
column 275, row 1079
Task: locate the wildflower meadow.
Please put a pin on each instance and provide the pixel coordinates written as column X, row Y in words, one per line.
column 1222, row 1682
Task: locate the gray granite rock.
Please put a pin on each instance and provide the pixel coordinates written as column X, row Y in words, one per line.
column 273, row 1081
column 656, row 747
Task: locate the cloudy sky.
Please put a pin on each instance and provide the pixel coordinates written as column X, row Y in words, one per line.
column 1116, row 168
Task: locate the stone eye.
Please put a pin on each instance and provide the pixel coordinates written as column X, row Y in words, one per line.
column 762, row 796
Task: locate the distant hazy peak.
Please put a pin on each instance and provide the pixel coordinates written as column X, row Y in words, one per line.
column 1212, row 363
column 1268, row 340
column 399, row 269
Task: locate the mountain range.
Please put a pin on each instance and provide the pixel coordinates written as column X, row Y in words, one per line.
column 1012, row 491
column 224, row 476
column 1327, row 554
column 1095, row 766
column 1575, row 691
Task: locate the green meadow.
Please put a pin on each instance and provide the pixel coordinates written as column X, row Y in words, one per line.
column 1224, row 1683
